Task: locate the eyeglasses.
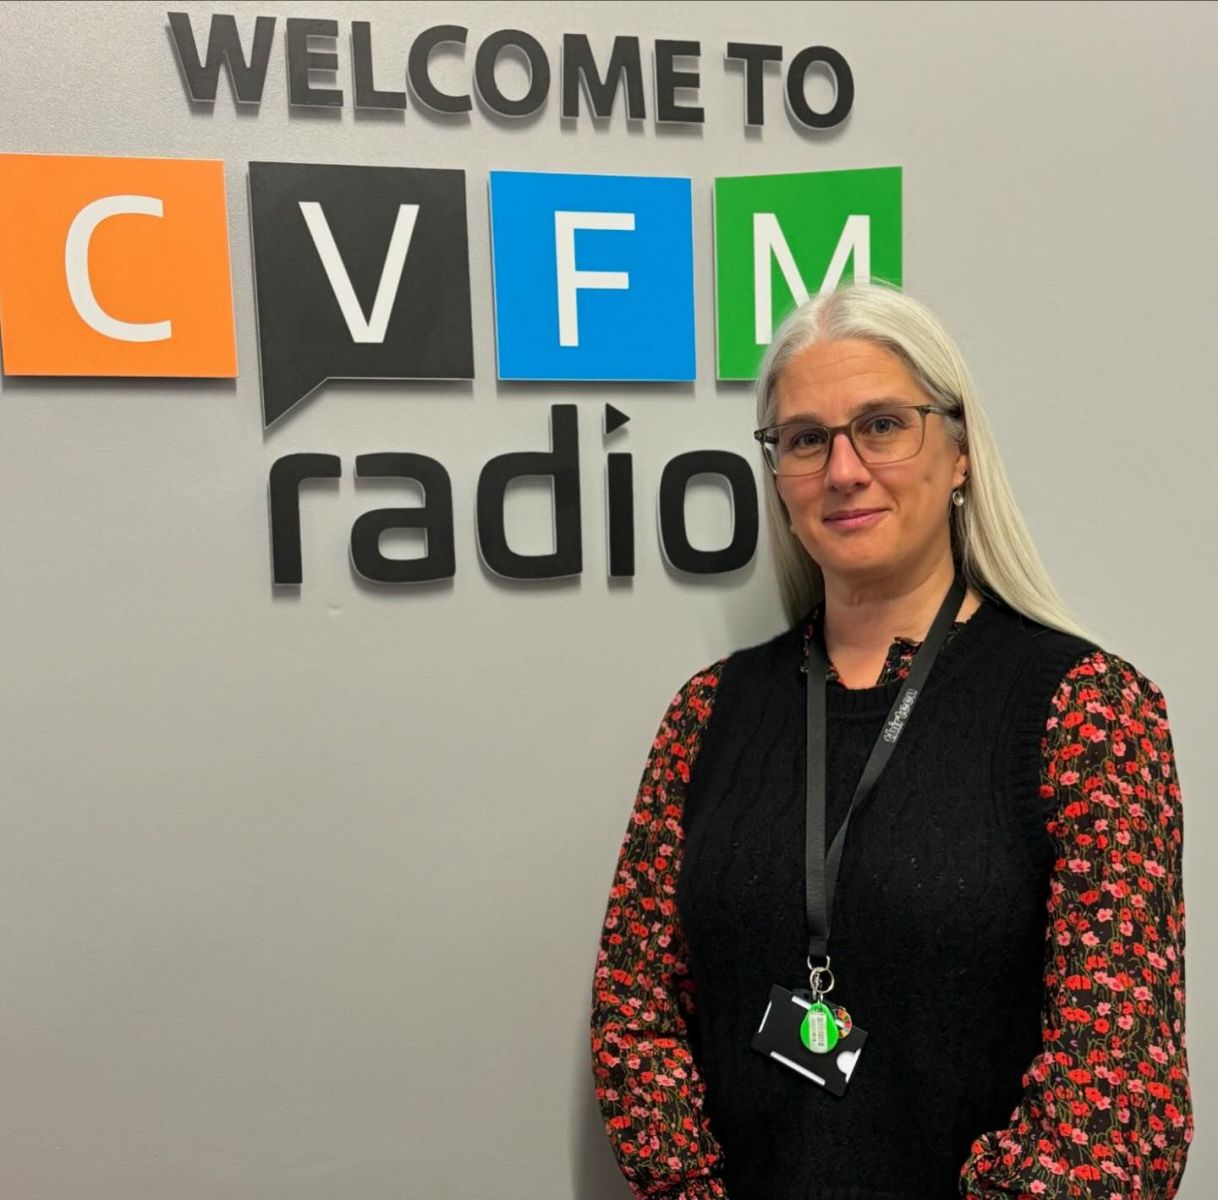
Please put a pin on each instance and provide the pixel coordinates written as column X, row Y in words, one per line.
column 882, row 436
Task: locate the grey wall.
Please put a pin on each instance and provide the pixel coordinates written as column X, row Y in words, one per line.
column 301, row 895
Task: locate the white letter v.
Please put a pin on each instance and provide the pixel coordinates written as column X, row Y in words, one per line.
column 370, row 329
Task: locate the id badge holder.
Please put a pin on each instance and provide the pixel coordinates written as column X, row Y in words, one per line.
column 804, row 1032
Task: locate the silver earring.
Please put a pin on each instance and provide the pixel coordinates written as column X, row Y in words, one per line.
column 957, row 497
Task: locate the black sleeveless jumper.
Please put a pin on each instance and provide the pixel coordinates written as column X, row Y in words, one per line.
column 939, row 924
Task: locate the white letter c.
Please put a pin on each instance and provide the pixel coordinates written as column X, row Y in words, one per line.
column 76, row 264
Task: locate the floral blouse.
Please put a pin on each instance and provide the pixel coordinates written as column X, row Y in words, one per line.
column 1106, row 1112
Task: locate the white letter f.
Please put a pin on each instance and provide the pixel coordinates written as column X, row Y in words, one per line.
column 571, row 280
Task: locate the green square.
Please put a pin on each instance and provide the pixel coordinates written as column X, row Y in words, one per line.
column 793, row 229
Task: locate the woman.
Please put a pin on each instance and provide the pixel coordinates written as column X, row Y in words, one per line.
column 1005, row 918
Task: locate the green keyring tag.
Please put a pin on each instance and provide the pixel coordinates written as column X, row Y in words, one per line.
column 818, row 1031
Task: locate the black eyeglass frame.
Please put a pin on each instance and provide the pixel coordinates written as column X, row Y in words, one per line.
column 831, row 431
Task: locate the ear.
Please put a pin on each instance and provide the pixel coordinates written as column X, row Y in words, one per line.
column 961, row 472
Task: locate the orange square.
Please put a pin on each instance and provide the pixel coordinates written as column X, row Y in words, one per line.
column 115, row 266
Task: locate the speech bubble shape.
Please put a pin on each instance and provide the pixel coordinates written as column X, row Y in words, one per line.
column 360, row 273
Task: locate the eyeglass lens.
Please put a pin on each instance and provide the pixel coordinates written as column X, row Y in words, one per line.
column 879, row 437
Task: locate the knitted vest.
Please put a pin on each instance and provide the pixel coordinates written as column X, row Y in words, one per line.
column 939, row 924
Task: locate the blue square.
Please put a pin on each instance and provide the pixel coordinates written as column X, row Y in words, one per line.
column 594, row 276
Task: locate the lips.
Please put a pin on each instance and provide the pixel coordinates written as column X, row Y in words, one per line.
column 853, row 519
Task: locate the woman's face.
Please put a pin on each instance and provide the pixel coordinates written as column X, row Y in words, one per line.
column 827, row 383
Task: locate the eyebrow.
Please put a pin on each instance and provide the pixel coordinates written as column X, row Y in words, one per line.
column 866, row 407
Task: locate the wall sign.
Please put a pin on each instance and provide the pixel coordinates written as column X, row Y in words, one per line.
column 674, row 72
column 362, row 272
column 593, row 276
column 781, row 238
column 92, row 255
column 560, row 465
column 335, row 297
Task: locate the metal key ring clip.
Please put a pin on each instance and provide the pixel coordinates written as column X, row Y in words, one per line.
column 817, row 974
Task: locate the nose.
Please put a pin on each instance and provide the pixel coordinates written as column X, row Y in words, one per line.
column 845, row 469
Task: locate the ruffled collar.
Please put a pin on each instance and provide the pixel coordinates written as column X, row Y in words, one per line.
column 897, row 662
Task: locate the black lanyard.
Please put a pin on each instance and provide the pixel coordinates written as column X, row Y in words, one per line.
column 821, row 869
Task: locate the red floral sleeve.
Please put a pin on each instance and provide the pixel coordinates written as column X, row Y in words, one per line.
column 647, row 1085
column 1106, row 1112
